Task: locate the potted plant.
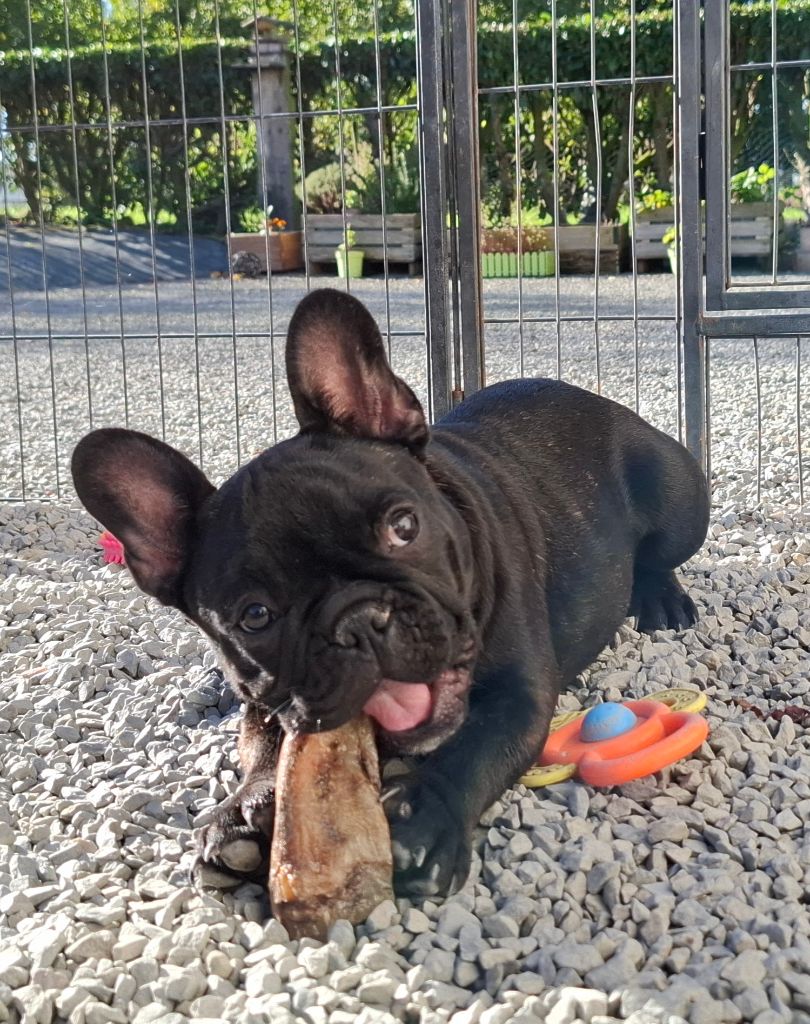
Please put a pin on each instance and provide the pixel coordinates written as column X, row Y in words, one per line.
column 266, row 237
column 349, row 259
column 670, row 241
column 499, row 252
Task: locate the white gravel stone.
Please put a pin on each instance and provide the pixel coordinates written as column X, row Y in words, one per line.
column 414, row 921
column 262, row 980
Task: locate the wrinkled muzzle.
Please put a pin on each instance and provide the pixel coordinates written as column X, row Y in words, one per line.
column 385, row 651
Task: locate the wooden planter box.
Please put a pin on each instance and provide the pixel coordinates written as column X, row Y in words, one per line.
column 283, row 247
column 802, row 258
column 402, row 243
column 751, row 231
column 577, row 244
column 505, row 264
column 651, row 226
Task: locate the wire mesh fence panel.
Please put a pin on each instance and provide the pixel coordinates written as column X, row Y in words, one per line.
column 588, row 111
column 167, row 174
column 759, row 412
column 175, row 177
column 757, row 196
column 757, row 290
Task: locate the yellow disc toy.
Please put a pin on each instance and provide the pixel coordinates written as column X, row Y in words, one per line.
column 681, row 699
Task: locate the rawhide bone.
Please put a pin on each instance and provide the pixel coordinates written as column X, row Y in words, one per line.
column 331, row 851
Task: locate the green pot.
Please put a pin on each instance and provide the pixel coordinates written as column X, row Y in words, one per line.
column 672, row 255
column 505, row 264
column 349, row 264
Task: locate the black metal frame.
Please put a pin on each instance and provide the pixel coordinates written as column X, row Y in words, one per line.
column 690, row 246
column 447, row 76
column 721, row 291
column 712, row 307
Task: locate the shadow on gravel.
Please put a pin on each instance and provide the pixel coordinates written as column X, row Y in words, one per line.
column 65, row 259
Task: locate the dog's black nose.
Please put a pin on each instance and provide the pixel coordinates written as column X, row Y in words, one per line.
column 361, row 625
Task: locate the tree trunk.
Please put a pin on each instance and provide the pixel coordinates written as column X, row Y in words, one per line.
column 505, row 179
column 618, row 179
column 543, row 155
column 662, row 135
column 25, row 173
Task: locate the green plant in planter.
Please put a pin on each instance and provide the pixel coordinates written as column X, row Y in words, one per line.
column 656, row 199
column 251, row 219
column 402, row 186
column 753, row 185
column 328, row 189
column 349, row 259
column 670, row 240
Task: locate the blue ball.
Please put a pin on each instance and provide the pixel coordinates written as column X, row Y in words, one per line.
column 606, row 721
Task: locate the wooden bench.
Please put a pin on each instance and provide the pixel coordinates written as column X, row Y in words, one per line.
column 750, row 232
column 401, row 243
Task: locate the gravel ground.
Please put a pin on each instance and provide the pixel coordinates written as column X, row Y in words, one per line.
column 681, row 897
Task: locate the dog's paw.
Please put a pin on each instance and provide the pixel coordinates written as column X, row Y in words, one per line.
column 431, row 846
column 237, row 842
column 660, row 602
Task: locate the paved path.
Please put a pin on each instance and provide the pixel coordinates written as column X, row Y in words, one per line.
column 65, row 258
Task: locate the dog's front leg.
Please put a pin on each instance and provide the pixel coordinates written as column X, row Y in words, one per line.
column 434, row 810
column 237, row 842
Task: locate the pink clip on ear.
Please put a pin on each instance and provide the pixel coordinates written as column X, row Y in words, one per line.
column 112, row 548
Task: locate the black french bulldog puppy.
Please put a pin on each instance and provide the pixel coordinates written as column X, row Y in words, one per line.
column 449, row 581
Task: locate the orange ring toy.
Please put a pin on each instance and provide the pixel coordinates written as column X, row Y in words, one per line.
column 660, row 737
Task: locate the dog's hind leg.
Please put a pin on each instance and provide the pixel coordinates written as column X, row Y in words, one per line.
column 670, row 497
column 659, row 601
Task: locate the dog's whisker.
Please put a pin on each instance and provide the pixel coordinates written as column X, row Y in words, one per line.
column 286, row 703
column 390, row 792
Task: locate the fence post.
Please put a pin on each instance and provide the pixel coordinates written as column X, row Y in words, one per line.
column 690, row 241
column 271, row 95
column 466, row 192
column 430, row 76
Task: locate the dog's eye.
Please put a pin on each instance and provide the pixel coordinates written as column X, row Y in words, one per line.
column 255, row 618
column 402, row 528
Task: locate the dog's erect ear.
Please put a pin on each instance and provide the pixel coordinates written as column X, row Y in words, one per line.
column 339, row 377
column 147, row 495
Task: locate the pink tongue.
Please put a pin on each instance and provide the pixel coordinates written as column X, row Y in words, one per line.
column 399, row 706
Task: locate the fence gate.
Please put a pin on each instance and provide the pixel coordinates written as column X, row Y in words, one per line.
column 724, row 304
column 713, row 55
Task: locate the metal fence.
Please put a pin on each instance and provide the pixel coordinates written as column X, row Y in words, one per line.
column 129, row 316
column 761, row 320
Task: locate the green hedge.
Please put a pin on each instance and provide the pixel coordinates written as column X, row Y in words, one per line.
column 201, row 64
column 580, row 150
column 128, row 104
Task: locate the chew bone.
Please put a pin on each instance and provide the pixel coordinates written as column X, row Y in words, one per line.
column 331, row 851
